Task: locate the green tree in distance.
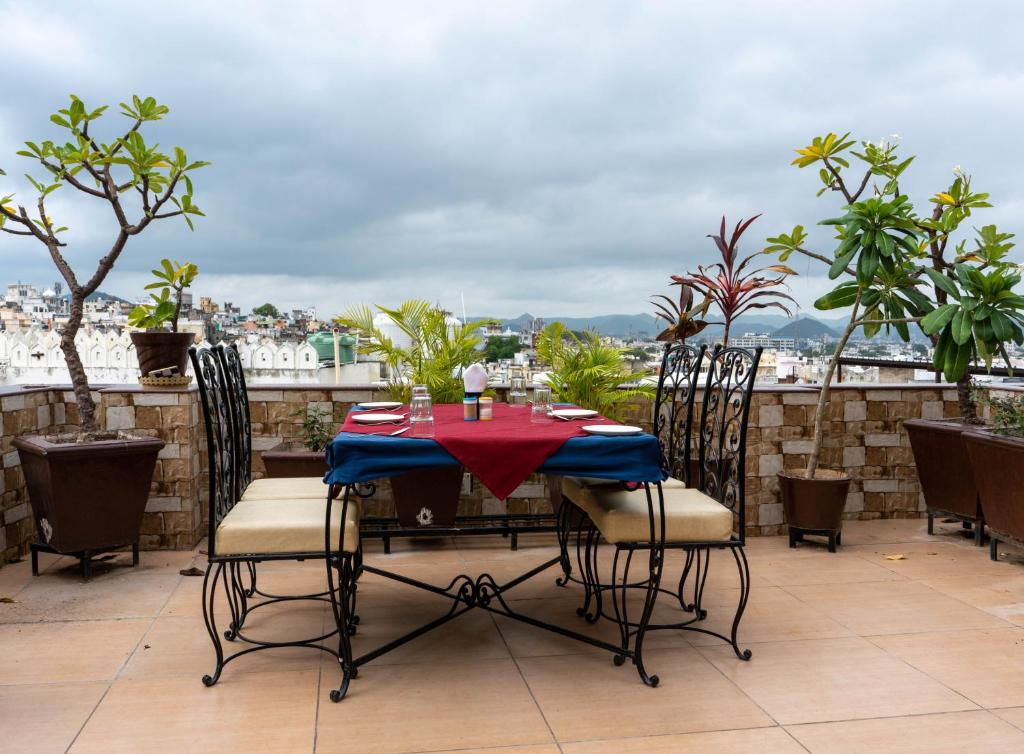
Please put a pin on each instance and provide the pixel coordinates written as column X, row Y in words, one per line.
column 267, row 310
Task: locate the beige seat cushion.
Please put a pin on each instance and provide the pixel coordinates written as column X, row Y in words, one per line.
column 690, row 516
column 274, row 527
column 286, row 488
column 580, row 489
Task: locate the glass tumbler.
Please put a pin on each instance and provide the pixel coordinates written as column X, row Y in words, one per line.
column 419, row 390
column 517, row 391
column 541, row 411
column 421, row 416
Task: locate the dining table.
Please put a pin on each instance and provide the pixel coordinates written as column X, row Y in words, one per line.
column 501, row 453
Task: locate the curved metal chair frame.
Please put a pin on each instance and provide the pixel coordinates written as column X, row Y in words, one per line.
column 226, row 570
column 725, row 409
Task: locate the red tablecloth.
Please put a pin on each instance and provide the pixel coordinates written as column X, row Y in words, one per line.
column 502, row 452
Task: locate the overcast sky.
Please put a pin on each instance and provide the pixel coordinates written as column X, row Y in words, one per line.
column 551, row 157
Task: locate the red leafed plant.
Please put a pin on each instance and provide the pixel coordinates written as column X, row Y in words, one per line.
column 731, row 287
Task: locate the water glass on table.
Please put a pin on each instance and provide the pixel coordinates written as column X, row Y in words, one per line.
column 517, row 391
column 421, row 416
column 541, row 410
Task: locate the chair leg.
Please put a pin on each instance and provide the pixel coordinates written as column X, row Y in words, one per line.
column 340, row 606
column 620, row 603
column 213, row 573
column 562, row 532
column 655, row 565
column 741, row 563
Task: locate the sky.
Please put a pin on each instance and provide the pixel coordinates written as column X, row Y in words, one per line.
column 558, row 158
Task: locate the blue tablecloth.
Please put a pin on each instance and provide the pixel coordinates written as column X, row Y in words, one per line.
column 356, row 457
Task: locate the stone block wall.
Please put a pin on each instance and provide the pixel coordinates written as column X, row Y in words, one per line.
column 864, row 436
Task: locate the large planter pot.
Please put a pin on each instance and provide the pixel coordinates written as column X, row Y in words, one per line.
column 944, row 471
column 997, row 463
column 161, row 349
column 427, row 498
column 291, row 459
column 87, row 497
column 814, row 506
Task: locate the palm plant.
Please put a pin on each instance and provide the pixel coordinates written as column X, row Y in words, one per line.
column 588, row 373
column 733, row 289
column 437, row 353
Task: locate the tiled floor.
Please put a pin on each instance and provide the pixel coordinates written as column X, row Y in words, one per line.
column 852, row 652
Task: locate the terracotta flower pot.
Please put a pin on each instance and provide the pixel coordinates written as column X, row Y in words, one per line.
column 814, row 506
column 88, row 497
column 291, row 459
column 427, row 498
column 997, row 463
column 161, row 349
column 944, row 470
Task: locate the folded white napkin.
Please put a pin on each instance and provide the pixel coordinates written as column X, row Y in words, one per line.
column 475, row 378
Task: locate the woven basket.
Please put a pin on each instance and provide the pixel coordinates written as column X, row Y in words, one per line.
column 181, row 380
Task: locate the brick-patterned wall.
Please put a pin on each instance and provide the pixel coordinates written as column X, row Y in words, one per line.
column 864, row 436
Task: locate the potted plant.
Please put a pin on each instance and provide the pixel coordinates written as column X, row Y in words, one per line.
column 732, row 288
column 877, row 243
column 160, row 351
column 421, row 345
column 302, row 456
column 89, row 489
column 997, row 460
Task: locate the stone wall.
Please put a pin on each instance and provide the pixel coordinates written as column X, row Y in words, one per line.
column 864, row 437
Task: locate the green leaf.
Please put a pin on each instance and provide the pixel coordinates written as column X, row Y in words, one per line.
column 943, row 282
column 963, row 324
column 938, row 318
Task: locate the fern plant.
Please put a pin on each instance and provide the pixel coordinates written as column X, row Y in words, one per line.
column 437, row 353
column 588, row 373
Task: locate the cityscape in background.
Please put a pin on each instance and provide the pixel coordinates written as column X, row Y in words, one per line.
column 297, row 346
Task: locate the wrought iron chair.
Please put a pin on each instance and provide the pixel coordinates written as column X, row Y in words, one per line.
column 671, row 423
column 242, row 532
column 710, row 516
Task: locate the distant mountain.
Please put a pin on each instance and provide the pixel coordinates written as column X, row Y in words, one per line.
column 805, row 327
column 101, row 295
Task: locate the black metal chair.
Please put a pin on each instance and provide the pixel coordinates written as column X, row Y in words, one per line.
column 710, row 516
column 242, row 532
column 672, row 423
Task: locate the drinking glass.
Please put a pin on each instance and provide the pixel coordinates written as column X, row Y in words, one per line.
column 421, row 416
column 540, row 413
column 419, row 390
column 517, row 391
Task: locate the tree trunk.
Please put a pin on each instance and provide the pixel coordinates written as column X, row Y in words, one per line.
column 823, row 395
column 79, row 380
column 965, row 399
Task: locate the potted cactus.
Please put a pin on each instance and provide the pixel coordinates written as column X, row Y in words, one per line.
column 163, row 353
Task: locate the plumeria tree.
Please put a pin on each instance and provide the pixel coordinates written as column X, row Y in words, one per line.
column 139, row 183
column 731, row 285
column 894, row 266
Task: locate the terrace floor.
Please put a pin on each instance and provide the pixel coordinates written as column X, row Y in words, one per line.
column 851, row 652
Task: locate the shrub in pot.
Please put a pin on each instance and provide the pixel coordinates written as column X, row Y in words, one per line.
column 432, row 350
column 89, row 489
column 302, row 456
column 163, row 353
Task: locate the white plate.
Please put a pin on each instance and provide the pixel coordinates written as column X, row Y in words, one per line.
column 377, row 418
column 612, row 430
column 380, row 405
column 574, row 413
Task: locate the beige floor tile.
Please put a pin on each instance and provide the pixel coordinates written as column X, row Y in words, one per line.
column 45, row 718
column 586, row 697
column 413, row 551
column 182, row 646
column 471, row 637
column 818, row 567
column 951, row 733
column 982, row 665
column 892, row 607
column 1012, row 715
column 833, row 679
column 121, row 593
column 1001, row 596
column 936, row 559
column 750, row 741
column 772, row 614
column 71, row 651
column 404, row 708
column 529, row 749
column 244, row 712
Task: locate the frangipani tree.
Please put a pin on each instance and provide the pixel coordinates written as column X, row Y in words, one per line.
column 138, row 182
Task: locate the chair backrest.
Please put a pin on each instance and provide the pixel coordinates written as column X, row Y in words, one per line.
column 220, row 436
column 725, row 410
column 241, row 422
column 673, row 406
